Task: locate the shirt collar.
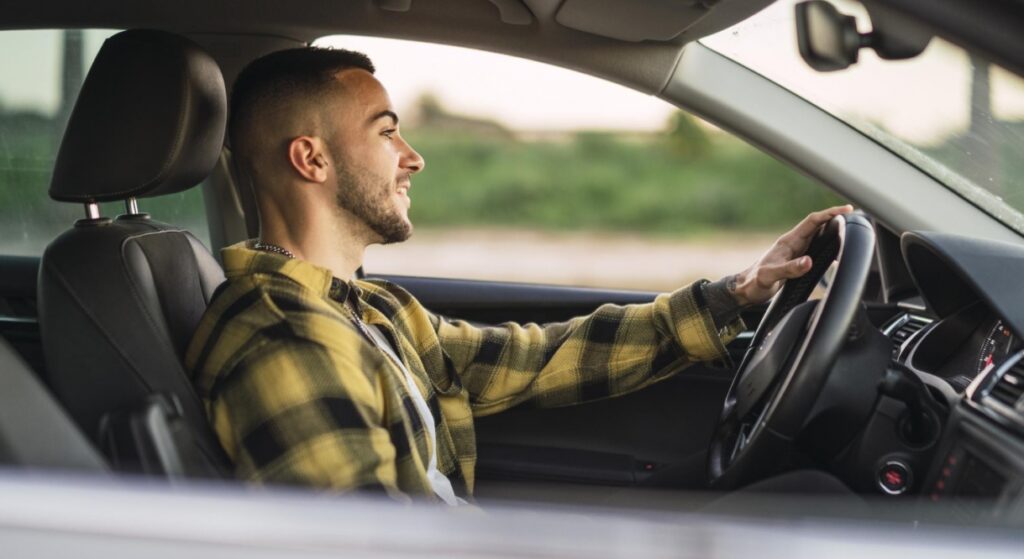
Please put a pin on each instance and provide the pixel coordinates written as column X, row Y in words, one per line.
column 241, row 259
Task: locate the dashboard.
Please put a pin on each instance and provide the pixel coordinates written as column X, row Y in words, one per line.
column 965, row 343
column 957, row 349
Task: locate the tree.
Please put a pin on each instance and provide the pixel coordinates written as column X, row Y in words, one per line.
column 686, row 137
column 429, row 107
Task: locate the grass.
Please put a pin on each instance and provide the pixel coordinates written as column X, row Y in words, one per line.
column 597, row 182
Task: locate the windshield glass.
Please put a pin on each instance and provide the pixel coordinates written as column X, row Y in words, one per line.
column 954, row 115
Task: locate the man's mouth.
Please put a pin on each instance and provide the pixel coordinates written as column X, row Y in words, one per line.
column 403, row 192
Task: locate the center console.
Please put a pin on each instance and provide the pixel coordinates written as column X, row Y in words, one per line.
column 979, row 470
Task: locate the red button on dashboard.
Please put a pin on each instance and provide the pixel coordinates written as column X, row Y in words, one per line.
column 894, row 477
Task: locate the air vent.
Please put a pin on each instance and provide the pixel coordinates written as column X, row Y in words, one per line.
column 902, row 329
column 1000, row 393
column 1010, row 386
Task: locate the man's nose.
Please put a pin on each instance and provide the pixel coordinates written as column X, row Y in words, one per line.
column 413, row 161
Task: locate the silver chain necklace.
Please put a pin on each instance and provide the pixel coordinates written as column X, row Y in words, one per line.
column 260, row 245
column 360, row 325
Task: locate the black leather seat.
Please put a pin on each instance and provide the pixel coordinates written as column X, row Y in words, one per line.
column 120, row 298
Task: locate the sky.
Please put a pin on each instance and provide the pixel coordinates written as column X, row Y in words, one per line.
column 30, row 66
column 522, row 94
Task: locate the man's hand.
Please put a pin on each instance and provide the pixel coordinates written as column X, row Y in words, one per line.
column 784, row 260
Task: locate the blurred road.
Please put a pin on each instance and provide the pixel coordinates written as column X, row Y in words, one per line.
column 596, row 260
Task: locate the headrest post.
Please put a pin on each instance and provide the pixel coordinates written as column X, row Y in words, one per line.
column 92, row 210
column 131, row 206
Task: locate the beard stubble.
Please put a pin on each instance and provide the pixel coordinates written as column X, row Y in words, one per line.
column 367, row 196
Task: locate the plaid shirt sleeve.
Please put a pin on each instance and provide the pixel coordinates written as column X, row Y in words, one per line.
column 295, row 411
column 613, row 351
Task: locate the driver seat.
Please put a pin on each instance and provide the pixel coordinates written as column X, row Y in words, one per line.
column 120, row 298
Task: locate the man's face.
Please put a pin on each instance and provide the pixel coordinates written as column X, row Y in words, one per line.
column 373, row 164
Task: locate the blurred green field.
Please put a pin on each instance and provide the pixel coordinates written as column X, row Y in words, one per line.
column 682, row 182
column 687, row 181
column 606, row 182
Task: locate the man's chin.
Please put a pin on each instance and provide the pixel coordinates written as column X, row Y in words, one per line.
column 396, row 234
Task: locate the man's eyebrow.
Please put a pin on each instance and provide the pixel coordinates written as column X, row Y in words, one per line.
column 385, row 114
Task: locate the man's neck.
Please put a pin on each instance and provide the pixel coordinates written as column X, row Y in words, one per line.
column 341, row 258
column 312, row 229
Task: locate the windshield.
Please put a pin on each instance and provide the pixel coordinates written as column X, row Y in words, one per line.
column 953, row 115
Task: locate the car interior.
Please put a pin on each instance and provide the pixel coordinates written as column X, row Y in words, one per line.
column 904, row 381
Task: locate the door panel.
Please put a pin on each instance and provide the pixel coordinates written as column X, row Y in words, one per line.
column 657, row 436
column 495, row 302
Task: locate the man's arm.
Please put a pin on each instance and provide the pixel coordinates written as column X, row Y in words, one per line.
column 613, row 351
column 295, row 412
column 617, row 349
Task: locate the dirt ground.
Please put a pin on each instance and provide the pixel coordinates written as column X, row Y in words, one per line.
column 597, row 260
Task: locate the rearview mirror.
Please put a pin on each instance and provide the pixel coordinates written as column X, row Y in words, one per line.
column 828, row 40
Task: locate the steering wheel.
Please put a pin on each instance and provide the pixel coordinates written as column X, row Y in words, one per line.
column 790, row 357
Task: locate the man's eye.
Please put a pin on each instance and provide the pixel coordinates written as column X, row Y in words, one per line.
column 388, row 133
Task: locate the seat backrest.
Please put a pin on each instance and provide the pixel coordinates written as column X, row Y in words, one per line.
column 120, row 298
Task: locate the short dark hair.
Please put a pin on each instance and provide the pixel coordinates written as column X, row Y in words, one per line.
column 286, row 76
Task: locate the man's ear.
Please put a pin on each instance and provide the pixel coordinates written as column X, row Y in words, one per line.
column 308, row 157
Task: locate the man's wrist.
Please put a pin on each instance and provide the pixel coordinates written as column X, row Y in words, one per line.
column 723, row 301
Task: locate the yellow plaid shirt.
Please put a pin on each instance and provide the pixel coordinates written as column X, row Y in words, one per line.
column 297, row 394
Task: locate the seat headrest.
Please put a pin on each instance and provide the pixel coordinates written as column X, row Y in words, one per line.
column 149, row 120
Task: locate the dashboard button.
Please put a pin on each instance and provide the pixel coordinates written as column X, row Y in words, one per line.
column 894, row 478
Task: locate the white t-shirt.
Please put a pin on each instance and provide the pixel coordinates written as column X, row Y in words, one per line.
column 440, row 483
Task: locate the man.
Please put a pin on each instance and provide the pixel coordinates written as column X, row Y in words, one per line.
column 311, row 378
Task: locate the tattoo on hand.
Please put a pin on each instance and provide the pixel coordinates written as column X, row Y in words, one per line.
column 730, row 283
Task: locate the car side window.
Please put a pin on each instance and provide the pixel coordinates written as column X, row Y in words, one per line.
column 540, row 174
column 41, row 74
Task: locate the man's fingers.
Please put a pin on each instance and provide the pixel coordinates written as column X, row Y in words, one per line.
column 814, row 220
column 800, row 236
column 779, row 264
column 770, row 274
